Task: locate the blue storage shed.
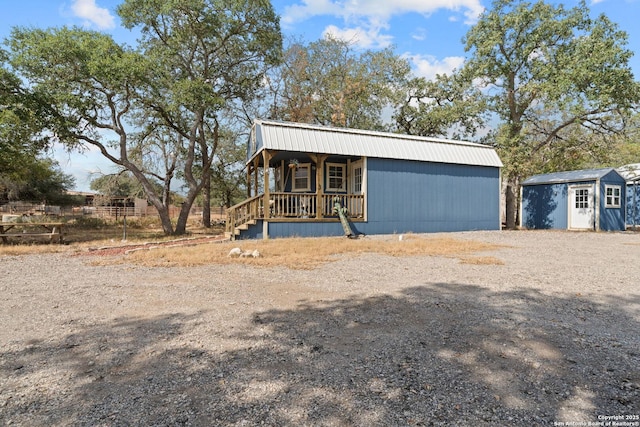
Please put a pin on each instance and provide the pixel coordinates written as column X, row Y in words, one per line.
column 387, row 183
column 591, row 199
column 631, row 174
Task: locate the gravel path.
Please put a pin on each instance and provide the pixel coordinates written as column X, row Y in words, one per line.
column 550, row 337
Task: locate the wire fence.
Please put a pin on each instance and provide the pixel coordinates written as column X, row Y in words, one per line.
column 20, row 209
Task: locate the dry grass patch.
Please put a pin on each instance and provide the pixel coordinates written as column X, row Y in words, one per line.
column 308, row 253
column 481, row 260
column 82, row 233
column 13, row 249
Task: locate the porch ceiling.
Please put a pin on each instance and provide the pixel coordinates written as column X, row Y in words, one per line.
column 278, row 156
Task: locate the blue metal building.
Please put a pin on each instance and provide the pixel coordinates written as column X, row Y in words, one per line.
column 388, row 183
column 575, row 200
column 631, row 174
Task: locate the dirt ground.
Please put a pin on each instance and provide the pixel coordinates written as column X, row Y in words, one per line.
column 549, row 336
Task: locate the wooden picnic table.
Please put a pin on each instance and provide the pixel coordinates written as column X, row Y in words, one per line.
column 52, row 230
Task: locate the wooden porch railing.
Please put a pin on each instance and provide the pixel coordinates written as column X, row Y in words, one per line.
column 244, row 212
column 292, row 206
column 304, row 205
column 353, row 202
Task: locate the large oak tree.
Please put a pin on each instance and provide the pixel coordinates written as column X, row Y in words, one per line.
column 208, row 55
column 25, row 172
column 156, row 108
column 449, row 106
column 547, row 71
column 328, row 82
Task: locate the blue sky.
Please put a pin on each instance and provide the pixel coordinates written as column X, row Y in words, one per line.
column 427, row 32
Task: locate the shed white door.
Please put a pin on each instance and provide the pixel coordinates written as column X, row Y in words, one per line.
column 581, row 207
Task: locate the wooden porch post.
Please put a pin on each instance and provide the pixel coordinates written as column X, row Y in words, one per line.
column 256, row 162
column 319, row 161
column 266, row 211
column 249, row 169
column 266, row 156
column 283, row 181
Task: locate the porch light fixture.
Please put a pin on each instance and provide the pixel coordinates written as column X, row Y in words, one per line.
column 293, row 163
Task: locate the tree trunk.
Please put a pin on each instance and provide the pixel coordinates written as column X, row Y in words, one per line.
column 163, row 213
column 206, row 202
column 181, row 224
column 165, row 220
column 152, row 196
column 511, row 201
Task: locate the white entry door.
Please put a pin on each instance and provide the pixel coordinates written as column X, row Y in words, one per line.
column 581, row 207
column 356, row 179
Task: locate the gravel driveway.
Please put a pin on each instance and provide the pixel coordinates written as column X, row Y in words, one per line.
column 550, row 337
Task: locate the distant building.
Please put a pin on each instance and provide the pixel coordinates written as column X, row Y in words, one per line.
column 591, row 199
column 631, row 174
column 111, row 206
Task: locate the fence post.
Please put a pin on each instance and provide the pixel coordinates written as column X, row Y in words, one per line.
column 124, row 229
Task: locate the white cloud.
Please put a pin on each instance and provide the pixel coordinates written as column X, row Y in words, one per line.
column 361, row 37
column 307, row 9
column 93, row 14
column 428, row 66
column 420, row 34
column 367, row 21
column 378, row 10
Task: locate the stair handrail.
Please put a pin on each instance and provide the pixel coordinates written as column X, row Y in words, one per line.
column 235, row 220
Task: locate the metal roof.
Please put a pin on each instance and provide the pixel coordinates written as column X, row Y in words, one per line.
column 570, row 176
column 630, row 172
column 305, row 138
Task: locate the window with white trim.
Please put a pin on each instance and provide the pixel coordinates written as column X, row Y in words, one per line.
column 336, row 177
column 302, row 178
column 612, row 194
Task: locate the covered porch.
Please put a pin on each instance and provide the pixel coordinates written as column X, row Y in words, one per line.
column 285, row 186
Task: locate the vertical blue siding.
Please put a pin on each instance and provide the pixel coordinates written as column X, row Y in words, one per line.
column 633, row 204
column 545, row 206
column 259, row 143
column 304, row 229
column 410, row 196
column 254, row 232
column 612, row 219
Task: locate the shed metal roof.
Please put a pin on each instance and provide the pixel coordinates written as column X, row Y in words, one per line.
column 305, row 138
column 630, row 172
column 570, row 176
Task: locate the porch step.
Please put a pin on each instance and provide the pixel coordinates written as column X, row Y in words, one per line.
column 239, row 229
column 246, row 225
